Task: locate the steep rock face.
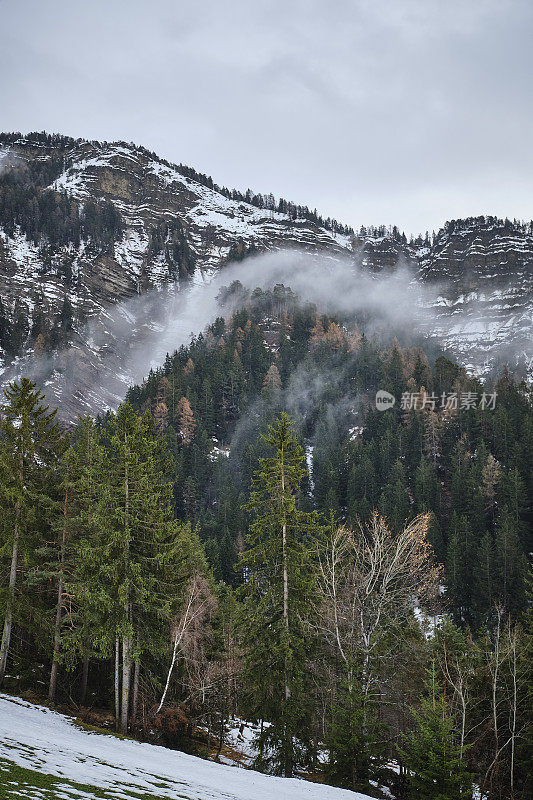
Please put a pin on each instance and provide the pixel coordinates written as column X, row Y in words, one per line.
column 151, row 198
column 484, row 270
column 129, row 222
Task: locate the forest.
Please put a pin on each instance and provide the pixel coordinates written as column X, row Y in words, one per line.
column 249, row 537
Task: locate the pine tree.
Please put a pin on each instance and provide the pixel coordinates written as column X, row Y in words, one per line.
column 278, row 591
column 30, row 448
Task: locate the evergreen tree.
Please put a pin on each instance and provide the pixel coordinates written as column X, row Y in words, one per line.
column 5, row 328
column 121, row 568
column 278, row 590
column 59, row 562
column 431, row 755
column 30, row 447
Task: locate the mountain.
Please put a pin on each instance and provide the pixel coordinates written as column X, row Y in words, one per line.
column 87, row 228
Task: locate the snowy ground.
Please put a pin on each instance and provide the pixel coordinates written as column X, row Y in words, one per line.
column 44, row 756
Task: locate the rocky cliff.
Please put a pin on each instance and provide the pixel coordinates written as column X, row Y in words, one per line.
column 88, row 227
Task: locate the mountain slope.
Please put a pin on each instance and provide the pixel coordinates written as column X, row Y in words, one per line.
column 49, row 744
column 87, row 227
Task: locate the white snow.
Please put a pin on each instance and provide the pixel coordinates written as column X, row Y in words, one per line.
column 39, row 739
column 309, row 461
column 428, row 622
column 217, row 451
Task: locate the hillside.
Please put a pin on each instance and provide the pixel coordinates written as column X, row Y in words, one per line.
column 172, row 502
column 88, row 765
column 86, row 228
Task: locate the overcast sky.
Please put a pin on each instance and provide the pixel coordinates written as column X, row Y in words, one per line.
column 406, row 112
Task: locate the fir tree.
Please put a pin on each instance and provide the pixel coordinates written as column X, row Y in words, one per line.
column 59, row 562
column 122, row 566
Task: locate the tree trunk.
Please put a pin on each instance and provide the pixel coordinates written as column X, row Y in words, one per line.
column 126, row 640
column 287, row 767
column 8, row 620
column 285, row 584
column 126, row 680
column 220, row 736
column 59, row 609
column 135, row 698
column 117, row 683
column 84, row 678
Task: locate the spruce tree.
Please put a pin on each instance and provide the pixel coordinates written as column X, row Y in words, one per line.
column 122, row 585
column 73, row 523
column 30, row 447
column 278, row 589
column 431, row 754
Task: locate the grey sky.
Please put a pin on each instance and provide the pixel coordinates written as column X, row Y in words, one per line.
column 406, row 112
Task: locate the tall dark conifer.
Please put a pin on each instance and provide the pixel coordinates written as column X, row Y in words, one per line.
column 278, row 588
column 31, row 444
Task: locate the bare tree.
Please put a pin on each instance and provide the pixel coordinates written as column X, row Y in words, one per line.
column 508, row 701
column 368, row 579
column 198, row 603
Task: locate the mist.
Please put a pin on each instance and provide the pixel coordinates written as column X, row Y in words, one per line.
column 142, row 331
column 120, row 347
column 334, row 285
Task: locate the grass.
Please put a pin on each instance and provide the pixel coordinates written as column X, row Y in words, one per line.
column 85, row 726
column 20, row 783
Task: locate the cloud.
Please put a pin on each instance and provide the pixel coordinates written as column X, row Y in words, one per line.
column 119, row 348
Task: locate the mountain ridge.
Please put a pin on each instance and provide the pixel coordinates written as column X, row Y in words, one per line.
column 86, row 225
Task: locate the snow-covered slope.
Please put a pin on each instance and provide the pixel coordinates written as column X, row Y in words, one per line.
column 45, row 742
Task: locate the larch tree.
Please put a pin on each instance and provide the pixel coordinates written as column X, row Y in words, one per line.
column 272, row 381
column 161, row 415
column 186, row 421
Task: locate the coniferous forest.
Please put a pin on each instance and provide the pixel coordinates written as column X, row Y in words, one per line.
column 249, row 537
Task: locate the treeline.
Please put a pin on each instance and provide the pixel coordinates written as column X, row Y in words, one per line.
column 488, row 221
column 49, row 169
column 109, row 601
column 266, row 201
